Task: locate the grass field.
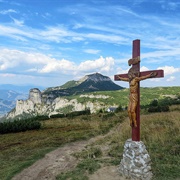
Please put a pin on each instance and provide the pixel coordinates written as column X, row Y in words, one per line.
column 161, row 134
column 19, row 150
column 159, row 131
column 120, row 97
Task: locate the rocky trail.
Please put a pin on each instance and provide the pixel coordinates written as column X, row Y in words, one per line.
column 62, row 160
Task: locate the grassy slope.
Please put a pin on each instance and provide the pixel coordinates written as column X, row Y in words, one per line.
column 161, row 134
column 159, row 131
column 22, row 149
column 19, row 150
column 120, row 97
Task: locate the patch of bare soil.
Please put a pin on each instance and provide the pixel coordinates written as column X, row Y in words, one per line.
column 106, row 173
column 55, row 162
column 61, row 160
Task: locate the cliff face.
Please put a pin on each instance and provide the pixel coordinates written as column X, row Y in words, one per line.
column 35, row 96
column 38, row 104
column 32, row 106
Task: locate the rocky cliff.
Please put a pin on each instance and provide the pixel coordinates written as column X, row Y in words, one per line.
column 32, row 106
column 39, row 104
column 52, row 100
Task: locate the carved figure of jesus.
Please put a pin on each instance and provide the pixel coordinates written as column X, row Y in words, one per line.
column 133, row 79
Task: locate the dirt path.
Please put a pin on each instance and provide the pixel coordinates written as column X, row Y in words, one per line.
column 53, row 163
column 61, row 160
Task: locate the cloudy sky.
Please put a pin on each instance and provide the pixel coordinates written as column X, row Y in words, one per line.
column 49, row 42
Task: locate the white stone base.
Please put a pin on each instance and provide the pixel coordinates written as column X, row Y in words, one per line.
column 136, row 162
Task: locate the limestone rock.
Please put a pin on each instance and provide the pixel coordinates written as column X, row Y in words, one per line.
column 38, row 104
column 35, row 96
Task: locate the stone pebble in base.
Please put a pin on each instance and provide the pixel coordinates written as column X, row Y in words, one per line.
column 136, row 162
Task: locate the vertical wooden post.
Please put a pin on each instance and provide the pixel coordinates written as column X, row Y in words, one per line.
column 135, row 53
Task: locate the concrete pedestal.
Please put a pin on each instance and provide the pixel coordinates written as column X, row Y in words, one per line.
column 136, row 162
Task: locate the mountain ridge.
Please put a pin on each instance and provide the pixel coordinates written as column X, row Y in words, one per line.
column 53, row 100
column 89, row 83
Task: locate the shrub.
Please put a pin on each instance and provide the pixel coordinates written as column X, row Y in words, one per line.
column 19, row 126
column 41, row 118
column 78, row 113
column 72, row 114
column 164, row 108
column 155, row 106
column 57, row 116
column 119, row 109
column 154, row 103
column 158, row 109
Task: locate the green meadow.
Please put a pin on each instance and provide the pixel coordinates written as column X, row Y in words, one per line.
column 159, row 131
column 120, row 97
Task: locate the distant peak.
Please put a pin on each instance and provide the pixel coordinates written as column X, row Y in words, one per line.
column 96, row 77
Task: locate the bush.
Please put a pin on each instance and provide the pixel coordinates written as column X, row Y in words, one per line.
column 158, row 109
column 72, row 114
column 57, row 116
column 154, row 103
column 78, row 113
column 156, row 106
column 164, row 108
column 119, row 109
column 19, row 126
column 41, row 118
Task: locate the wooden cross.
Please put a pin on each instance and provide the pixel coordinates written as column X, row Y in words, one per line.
column 134, row 76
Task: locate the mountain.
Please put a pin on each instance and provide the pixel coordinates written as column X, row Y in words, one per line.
column 10, row 95
column 8, row 100
column 51, row 100
column 6, row 106
column 89, row 83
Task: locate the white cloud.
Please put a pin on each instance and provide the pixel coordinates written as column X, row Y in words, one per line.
column 101, row 64
column 15, row 33
column 122, row 71
column 106, row 38
column 170, row 51
column 54, row 66
column 40, row 63
column 169, row 70
column 18, row 22
column 143, row 68
column 8, row 11
column 92, row 51
column 169, row 5
column 171, row 78
column 15, row 58
column 8, row 75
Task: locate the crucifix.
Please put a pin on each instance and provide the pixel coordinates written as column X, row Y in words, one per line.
column 134, row 76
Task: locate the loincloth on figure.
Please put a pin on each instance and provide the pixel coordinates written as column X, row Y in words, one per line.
column 133, row 98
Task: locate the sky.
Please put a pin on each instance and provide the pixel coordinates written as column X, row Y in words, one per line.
column 49, row 42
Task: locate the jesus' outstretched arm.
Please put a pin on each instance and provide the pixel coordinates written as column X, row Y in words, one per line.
column 153, row 74
column 123, row 79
